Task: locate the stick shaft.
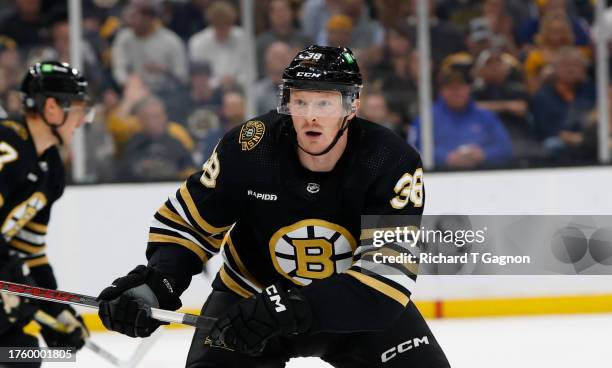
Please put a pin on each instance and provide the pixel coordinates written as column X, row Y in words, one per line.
column 65, row 297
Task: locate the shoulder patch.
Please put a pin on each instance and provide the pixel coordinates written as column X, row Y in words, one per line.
column 251, row 134
column 21, row 131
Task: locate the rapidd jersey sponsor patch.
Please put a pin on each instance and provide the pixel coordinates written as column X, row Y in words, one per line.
column 251, row 134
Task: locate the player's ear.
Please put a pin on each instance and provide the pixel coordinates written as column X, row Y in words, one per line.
column 52, row 111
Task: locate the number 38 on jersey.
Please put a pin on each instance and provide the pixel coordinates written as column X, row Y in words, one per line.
column 409, row 188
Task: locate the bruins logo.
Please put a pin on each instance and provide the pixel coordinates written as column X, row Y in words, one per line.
column 311, row 249
column 251, row 134
column 22, row 214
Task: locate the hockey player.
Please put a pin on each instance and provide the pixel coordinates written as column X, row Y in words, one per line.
column 281, row 198
column 32, row 178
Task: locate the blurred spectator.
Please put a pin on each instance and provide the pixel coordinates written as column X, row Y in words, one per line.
column 26, row 25
column 339, row 30
column 153, row 154
column 444, row 38
column 482, row 37
column 233, row 110
column 498, row 88
column 365, row 32
column 278, row 56
column 526, row 33
column 498, row 17
column 465, row 135
column 205, row 126
column 375, row 109
column 582, row 140
column 315, row 14
column 187, row 18
column 201, row 94
column 555, row 33
column 60, row 51
column 149, row 49
column 563, row 103
column 10, row 73
column 282, row 28
column 394, row 76
column 222, row 44
column 122, row 123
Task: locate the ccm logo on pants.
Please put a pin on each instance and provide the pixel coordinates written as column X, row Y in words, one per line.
column 273, row 293
column 402, row 348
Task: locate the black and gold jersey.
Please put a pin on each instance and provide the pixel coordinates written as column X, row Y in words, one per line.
column 274, row 220
column 29, row 185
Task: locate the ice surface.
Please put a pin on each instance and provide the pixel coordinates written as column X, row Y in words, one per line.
column 559, row 341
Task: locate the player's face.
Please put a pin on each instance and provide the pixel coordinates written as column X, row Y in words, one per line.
column 317, row 117
column 77, row 114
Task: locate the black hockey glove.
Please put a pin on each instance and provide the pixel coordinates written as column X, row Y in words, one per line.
column 74, row 333
column 15, row 311
column 125, row 305
column 250, row 323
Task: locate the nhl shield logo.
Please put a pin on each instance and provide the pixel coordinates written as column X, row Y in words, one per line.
column 313, row 188
column 251, row 134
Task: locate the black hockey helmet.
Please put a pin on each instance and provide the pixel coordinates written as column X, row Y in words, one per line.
column 52, row 79
column 322, row 68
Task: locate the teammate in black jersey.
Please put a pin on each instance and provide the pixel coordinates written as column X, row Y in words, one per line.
column 31, row 179
column 281, row 198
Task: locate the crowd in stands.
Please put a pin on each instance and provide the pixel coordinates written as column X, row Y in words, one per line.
column 513, row 79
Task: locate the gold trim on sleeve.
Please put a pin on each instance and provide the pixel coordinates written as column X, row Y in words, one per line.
column 380, row 286
column 233, row 285
column 162, row 238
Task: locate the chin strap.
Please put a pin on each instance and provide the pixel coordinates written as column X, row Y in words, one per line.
column 343, row 127
column 54, row 128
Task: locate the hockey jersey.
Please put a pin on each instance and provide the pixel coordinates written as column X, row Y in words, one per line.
column 274, row 220
column 29, row 185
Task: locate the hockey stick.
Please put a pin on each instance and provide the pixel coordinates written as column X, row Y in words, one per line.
column 47, row 320
column 65, row 297
column 44, row 318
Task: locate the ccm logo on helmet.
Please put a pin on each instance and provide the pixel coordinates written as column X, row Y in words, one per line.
column 402, row 348
column 308, row 74
column 273, row 293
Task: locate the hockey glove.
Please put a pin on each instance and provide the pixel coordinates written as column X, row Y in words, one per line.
column 74, row 334
column 125, row 306
column 250, row 323
column 15, row 311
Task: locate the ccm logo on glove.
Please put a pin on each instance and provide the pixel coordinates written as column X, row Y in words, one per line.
column 273, row 293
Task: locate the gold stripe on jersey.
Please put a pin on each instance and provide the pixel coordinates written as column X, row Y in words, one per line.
column 193, row 211
column 380, row 286
column 241, row 267
column 37, row 262
column 175, row 218
column 163, row 238
column 26, row 247
column 39, row 228
column 232, row 284
column 1, row 200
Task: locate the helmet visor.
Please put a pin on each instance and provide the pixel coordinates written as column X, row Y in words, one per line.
column 314, row 103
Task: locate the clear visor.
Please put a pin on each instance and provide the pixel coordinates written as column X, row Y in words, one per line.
column 314, row 103
column 87, row 111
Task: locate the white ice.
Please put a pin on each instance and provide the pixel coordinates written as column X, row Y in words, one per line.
column 559, row 342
